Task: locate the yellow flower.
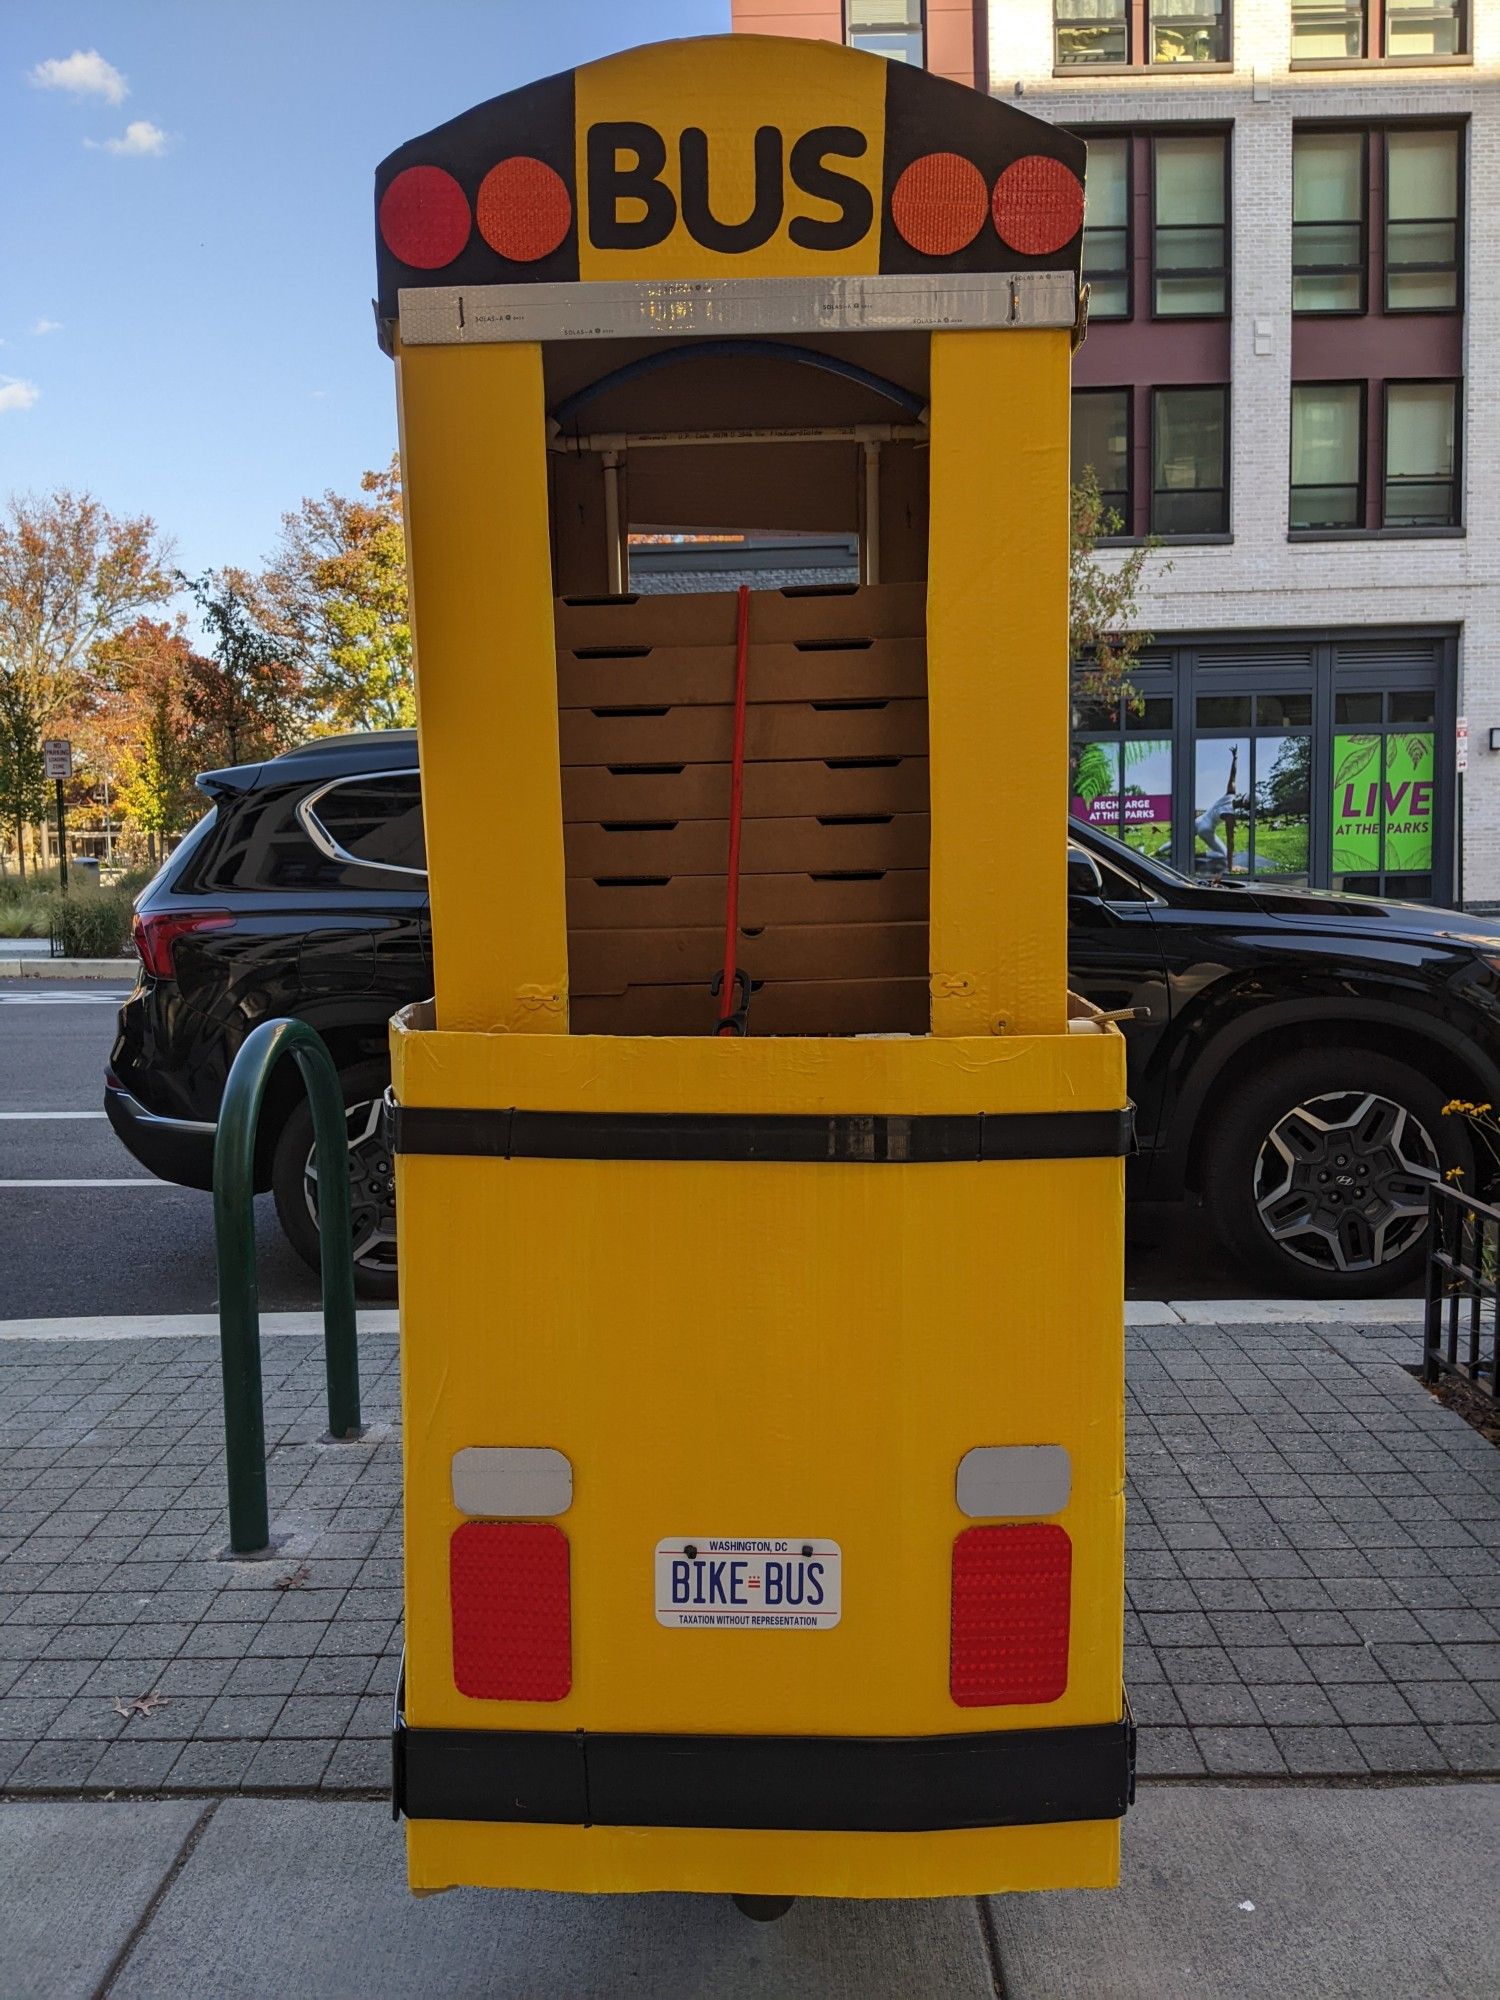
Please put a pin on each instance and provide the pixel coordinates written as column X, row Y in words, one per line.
column 1454, row 1174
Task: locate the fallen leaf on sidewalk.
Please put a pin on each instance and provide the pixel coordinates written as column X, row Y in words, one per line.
column 141, row 1704
column 297, row 1579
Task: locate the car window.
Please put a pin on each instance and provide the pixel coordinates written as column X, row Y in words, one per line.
column 374, row 820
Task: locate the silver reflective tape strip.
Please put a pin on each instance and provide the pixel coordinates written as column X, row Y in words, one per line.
column 459, row 315
column 1011, row 1479
column 509, row 1479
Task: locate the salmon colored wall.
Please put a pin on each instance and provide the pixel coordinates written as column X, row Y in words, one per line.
column 950, row 28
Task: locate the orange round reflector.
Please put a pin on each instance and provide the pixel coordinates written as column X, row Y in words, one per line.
column 524, row 209
column 1037, row 205
column 938, row 204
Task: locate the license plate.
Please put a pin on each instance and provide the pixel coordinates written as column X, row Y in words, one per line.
column 769, row 1582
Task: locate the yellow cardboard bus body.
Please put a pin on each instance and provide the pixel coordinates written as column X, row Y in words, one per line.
column 765, row 1347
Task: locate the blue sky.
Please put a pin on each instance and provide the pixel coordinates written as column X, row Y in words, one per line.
column 187, row 243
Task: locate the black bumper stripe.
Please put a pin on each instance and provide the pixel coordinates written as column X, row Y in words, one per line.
column 831, row 1784
column 846, row 1138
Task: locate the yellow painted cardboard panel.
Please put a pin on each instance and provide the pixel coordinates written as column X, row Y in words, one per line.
column 721, row 88
column 997, row 681
column 473, row 458
column 443, row 1854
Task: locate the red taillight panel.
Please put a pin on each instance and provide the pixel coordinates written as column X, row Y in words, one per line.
column 512, row 1611
column 154, row 936
column 1012, row 1591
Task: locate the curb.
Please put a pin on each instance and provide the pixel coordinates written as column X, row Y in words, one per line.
column 67, row 968
column 1138, row 1312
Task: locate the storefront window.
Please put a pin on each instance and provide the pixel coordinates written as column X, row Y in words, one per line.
column 1252, row 791
column 1122, row 783
column 1383, row 795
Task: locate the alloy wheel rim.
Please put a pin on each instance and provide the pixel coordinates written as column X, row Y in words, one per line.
column 372, row 1187
column 1341, row 1180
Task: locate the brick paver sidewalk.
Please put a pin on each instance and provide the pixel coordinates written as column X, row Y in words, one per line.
column 1314, row 1567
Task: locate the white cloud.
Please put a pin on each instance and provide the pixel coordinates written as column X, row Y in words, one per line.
column 142, row 139
column 85, row 73
column 16, row 394
column 47, row 326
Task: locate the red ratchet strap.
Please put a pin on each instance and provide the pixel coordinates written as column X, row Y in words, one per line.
column 732, row 983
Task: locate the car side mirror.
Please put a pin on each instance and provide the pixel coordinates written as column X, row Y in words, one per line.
column 1084, row 879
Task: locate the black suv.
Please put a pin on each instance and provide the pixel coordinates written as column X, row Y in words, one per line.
column 1290, row 1051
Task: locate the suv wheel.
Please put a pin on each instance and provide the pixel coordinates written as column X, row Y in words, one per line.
column 1318, row 1169
column 372, row 1182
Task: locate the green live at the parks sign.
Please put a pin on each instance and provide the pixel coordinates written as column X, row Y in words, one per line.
column 1377, row 795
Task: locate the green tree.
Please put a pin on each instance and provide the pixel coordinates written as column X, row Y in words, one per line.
column 336, row 588
column 23, row 782
column 244, row 696
column 1103, row 600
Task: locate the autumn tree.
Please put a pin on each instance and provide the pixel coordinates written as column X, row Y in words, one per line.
column 336, row 588
column 146, row 731
column 243, row 695
column 72, row 576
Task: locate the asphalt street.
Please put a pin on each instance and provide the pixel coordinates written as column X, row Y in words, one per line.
column 84, row 1230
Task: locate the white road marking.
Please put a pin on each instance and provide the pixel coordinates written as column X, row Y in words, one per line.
column 63, row 999
column 133, row 1180
column 20, row 1117
column 179, row 1326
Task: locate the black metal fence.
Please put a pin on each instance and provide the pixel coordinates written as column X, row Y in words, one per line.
column 1463, row 1290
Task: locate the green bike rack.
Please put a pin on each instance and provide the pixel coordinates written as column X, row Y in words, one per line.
column 239, row 1290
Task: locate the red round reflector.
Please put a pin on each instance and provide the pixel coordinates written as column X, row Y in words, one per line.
column 938, row 204
column 1037, row 205
column 424, row 218
column 524, row 209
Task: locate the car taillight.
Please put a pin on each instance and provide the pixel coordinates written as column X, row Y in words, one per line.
column 154, row 934
column 1012, row 1590
column 512, row 1610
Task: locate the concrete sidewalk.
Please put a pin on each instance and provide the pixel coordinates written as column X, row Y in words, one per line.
column 1228, row 1894
column 1313, row 1566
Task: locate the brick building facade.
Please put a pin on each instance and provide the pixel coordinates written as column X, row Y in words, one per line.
column 1318, row 477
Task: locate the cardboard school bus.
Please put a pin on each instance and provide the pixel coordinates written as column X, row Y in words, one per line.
column 759, row 1184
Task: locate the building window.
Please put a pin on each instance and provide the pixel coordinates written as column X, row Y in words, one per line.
column 1328, row 222
column 1414, row 31
column 1384, row 792
column 1106, row 229
column 1421, row 455
column 1190, row 260
column 1327, row 450
column 1191, row 31
column 1130, row 34
column 892, row 28
column 1122, row 774
column 1189, row 461
column 1092, row 31
column 1421, row 220
column 1101, row 444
